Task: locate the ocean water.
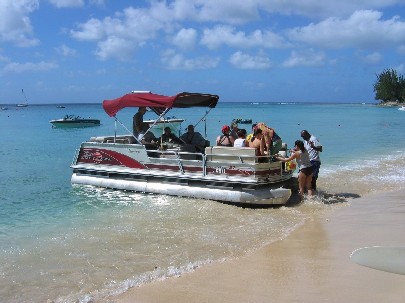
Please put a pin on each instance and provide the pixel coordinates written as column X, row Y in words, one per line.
column 64, row 243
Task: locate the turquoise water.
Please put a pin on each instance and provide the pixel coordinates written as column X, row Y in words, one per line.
column 72, row 243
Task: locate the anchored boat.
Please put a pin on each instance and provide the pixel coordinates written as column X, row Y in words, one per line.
column 226, row 174
column 160, row 124
column 71, row 121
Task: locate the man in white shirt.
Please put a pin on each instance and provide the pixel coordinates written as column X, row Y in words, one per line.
column 314, row 147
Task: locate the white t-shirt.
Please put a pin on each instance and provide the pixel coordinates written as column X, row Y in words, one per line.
column 313, row 154
column 239, row 142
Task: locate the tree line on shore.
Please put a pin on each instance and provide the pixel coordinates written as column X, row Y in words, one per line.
column 390, row 87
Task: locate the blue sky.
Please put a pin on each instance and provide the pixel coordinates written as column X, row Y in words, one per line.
column 74, row 51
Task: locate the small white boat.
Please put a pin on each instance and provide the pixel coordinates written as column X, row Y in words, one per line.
column 227, row 174
column 22, row 105
column 401, row 108
column 157, row 126
column 71, row 121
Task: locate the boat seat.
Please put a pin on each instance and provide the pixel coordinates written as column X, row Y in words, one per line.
column 233, row 154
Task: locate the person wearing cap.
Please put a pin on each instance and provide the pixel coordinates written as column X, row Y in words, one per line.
column 225, row 139
column 168, row 136
column 194, row 139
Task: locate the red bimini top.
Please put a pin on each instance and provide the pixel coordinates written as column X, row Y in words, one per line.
column 159, row 102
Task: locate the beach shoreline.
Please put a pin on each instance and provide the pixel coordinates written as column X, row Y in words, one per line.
column 311, row 265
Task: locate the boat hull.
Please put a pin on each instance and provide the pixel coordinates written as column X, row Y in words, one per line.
column 265, row 196
column 75, row 124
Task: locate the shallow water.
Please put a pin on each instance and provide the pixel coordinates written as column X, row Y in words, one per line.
column 69, row 243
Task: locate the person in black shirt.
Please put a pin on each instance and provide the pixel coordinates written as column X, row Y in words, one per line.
column 169, row 137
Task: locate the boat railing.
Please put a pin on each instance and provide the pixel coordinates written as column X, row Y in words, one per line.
column 75, row 157
column 213, row 156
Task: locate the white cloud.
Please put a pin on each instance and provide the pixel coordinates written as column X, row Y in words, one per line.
column 325, row 8
column 373, row 58
column 173, row 60
column 227, row 35
column 124, row 32
column 305, row 58
column 115, row 47
column 243, row 61
column 67, row 3
column 92, row 30
column 14, row 67
column 15, row 24
column 225, row 11
column 185, row 39
column 244, row 11
column 363, row 29
column 66, row 51
column 120, row 35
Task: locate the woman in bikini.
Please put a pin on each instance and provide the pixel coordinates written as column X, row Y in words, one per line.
column 257, row 142
column 304, row 164
column 225, row 139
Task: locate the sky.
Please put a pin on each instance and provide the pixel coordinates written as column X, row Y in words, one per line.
column 85, row 51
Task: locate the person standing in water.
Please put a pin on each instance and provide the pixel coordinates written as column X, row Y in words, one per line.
column 301, row 155
column 313, row 147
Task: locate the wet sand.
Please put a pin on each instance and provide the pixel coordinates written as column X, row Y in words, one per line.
column 310, row 265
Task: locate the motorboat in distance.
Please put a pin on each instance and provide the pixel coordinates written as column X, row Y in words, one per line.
column 72, row 121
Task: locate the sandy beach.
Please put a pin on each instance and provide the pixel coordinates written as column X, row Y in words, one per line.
column 310, row 265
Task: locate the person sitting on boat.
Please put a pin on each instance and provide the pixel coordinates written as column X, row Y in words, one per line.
column 248, row 137
column 169, row 137
column 149, row 140
column 241, row 141
column 193, row 140
column 137, row 121
column 257, row 142
column 225, row 139
column 272, row 139
column 234, row 130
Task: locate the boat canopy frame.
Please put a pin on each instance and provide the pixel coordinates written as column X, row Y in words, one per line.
column 160, row 104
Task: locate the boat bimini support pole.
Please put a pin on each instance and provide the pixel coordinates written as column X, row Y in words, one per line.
column 156, row 121
column 204, row 119
column 115, row 133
